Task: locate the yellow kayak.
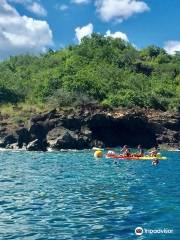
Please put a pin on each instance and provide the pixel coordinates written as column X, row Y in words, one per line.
column 152, row 158
column 146, row 157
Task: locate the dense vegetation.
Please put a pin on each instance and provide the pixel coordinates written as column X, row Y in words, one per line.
column 104, row 70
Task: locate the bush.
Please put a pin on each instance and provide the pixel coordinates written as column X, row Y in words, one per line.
column 9, row 96
column 111, row 71
column 61, row 98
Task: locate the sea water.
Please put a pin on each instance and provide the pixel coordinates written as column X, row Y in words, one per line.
column 71, row 195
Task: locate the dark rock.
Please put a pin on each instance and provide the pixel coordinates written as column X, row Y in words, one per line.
column 168, row 137
column 43, row 117
column 38, row 131
column 126, row 129
column 2, row 145
column 23, row 136
column 88, row 127
column 37, row 145
column 85, row 131
column 10, row 139
column 97, row 143
column 61, row 138
column 52, row 123
column 174, row 124
column 100, row 120
column 72, row 123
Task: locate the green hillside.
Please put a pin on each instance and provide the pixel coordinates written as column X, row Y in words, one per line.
column 104, row 70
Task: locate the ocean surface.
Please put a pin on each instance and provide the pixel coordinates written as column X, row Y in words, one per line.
column 71, row 195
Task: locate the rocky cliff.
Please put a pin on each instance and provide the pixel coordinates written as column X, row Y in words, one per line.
column 87, row 127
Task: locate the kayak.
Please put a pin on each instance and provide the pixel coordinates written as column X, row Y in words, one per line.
column 147, row 157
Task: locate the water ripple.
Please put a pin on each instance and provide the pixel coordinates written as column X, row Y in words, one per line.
column 70, row 195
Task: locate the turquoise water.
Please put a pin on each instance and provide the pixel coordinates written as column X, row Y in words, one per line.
column 70, row 195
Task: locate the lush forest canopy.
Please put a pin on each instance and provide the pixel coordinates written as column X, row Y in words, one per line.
column 108, row 71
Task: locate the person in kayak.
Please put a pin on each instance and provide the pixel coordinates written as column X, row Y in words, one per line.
column 126, row 151
column 140, row 152
column 154, row 152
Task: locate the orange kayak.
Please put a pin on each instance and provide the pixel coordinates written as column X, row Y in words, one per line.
column 120, row 156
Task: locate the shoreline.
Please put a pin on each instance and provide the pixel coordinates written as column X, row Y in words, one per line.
column 85, row 128
column 74, row 150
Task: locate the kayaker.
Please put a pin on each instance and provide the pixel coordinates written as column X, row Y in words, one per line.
column 154, row 152
column 140, row 152
column 155, row 162
column 126, row 151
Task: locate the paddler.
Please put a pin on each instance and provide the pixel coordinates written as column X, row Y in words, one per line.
column 154, row 152
column 140, row 152
column 126, row 151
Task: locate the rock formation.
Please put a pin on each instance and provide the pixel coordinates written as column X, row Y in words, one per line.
column 85, row 128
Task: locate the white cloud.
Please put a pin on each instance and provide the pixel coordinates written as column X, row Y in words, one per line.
column 172, row 47
column 31, row 6
column 84, row 31
column 21, row 34
column 80, row 1
column 62, row 7
column 119, row 9
column 120, row 35
column 37, row 9
column 19, row 1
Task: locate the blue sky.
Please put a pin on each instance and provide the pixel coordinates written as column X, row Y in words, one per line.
column 35, row 25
